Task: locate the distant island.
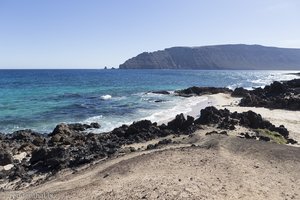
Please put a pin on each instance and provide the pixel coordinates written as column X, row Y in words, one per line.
column 237, row 56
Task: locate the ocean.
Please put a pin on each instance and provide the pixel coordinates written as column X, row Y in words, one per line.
column 40, row 99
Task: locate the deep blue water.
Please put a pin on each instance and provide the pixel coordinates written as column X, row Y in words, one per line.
column 40, row 99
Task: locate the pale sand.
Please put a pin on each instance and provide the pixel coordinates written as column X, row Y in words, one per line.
column 219, row 167
column 290, row 119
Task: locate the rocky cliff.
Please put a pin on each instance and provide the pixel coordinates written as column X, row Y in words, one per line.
column 217, row 57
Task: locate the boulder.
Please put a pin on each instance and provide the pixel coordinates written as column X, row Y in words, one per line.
column 281, row 130
column 180, row 123
column 138, row 127
column 209, row 115
column 61, row 129
column 240, row 92
column 151, row 146
column 17, row 172
column 161, row 92
column 5, row 157
column 71, row 129
column 196, row 91
column 251, row 119
column 50, row 159
column 39, row 141
column 38, row 155
column 24, row 135
column 121, row 131
column 291, row 141
column 95, row 125
column 164, row 142
column 264, row 138
column 276, row 88
column 77, row 127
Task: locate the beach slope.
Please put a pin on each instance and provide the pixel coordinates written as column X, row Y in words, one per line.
column 200, row 167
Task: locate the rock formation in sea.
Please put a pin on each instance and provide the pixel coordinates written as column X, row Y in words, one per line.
column 239, row 56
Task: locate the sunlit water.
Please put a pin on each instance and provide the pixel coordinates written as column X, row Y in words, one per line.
column 40, row 99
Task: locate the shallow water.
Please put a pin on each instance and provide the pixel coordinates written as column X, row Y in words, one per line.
column 40, row 99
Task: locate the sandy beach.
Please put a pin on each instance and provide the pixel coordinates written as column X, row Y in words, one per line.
column 197, row 166
column 290, row 119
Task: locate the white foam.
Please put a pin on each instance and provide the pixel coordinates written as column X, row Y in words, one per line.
column 182, row 105
column 106, row 97
column 165, row 113
column 120, row 98
column 171, row 107
column 108, row 123
column 276, row 76
column 93, row 119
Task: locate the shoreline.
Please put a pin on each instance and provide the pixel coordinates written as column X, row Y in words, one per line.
column 66, row 105
column 290, row 119
column 69, row 154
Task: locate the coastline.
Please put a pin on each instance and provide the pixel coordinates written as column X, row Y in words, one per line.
column 147, row 154
column 63, row 101
column 290, row 119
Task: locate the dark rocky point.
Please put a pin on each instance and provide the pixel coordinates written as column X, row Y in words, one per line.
column 196, row 91
column 278, row 95
column 160, row 92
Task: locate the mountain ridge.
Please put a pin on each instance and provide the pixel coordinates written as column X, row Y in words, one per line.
column 228, row 56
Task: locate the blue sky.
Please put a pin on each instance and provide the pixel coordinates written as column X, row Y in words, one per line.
column 98, row 33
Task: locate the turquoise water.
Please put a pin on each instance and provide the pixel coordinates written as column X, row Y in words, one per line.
column 40, row 99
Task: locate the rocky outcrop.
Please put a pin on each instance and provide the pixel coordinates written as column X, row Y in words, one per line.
column 67, row 129
column 160, row 92
column 197, row 91
column 180, row 123
column 71, row 145
column 5, row 157
column 278, row 95
column 224, row 119
column 240, row 92
column 217, row 57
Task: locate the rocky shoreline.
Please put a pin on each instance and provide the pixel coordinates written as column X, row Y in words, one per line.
column 278, row 95
column 30, row 158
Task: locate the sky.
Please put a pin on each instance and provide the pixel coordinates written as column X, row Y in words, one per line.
column 97, row 33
